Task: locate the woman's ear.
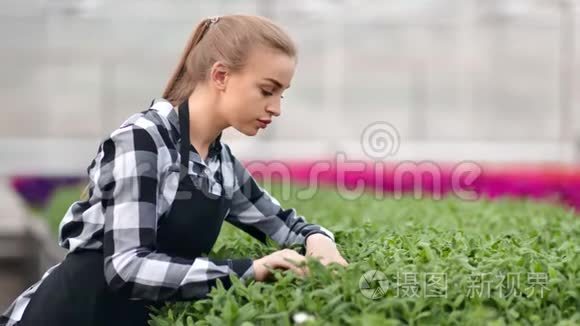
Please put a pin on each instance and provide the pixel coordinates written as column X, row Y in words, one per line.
column 219, row 75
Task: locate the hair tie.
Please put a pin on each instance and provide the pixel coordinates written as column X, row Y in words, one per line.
column 213, row 20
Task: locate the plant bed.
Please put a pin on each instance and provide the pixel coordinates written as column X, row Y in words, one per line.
column 504, row 261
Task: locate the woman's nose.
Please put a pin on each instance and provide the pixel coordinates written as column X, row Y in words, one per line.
column 274, row 109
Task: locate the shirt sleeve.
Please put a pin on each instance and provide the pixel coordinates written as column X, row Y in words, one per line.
column 259, row 214
column 127, row 183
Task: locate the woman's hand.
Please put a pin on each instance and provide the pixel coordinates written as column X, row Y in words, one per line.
column 283, row 259
column 317, row 246
column 324, row 249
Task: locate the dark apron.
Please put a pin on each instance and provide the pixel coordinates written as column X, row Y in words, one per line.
column 76, row 292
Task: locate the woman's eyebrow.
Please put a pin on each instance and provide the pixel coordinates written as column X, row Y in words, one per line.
column 275, row 82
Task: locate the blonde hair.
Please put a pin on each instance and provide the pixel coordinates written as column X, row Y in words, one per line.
column 228, row 39
column 85, row 193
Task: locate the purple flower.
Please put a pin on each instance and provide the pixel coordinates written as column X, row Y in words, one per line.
column 37, row 190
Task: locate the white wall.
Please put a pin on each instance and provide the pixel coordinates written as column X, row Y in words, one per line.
column 446, row 74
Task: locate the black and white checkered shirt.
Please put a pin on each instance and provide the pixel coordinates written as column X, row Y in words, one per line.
column 138, row 166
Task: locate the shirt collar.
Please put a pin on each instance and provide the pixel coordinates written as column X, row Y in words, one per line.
column 216, row 146
column 214, row 149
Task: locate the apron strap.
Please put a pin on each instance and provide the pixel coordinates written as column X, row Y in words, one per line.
column 186, row 144
column 185, row 141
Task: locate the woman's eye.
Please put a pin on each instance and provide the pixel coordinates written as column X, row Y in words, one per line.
column 266, row 93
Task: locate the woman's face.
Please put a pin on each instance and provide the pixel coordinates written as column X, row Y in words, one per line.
column 253, row 94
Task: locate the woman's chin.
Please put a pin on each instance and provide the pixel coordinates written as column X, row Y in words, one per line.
column 249, row 131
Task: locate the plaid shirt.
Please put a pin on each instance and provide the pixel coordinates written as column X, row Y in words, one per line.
column 133, row 182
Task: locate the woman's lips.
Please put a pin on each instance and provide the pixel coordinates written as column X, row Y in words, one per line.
column 264, row 123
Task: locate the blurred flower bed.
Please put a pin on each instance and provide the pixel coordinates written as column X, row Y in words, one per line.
column 553, row 183
column 38, row 190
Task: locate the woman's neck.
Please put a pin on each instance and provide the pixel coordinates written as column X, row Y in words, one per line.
column 205, row 123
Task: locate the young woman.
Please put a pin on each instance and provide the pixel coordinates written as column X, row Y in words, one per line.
column 162, row 184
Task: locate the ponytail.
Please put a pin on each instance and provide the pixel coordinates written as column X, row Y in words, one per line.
column 180, row 84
